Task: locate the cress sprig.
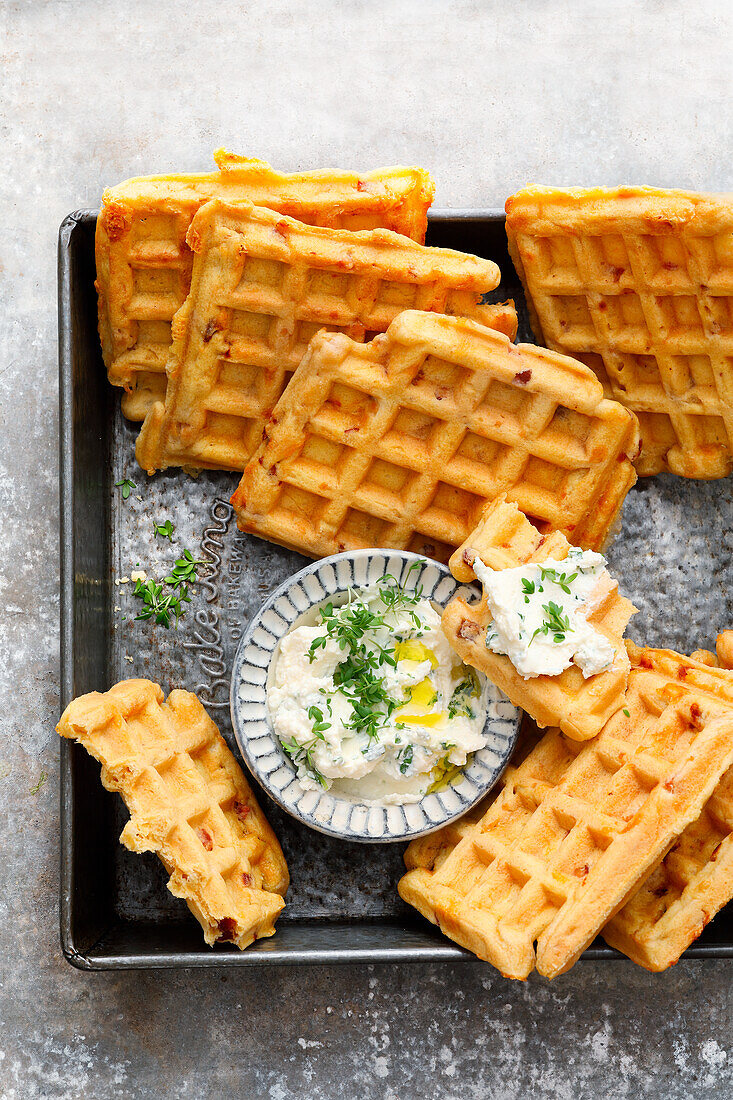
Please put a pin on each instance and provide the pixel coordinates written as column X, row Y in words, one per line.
column 357, row 674
column 164, row 606
column 158, row 605
column 554, row 623
column 302, row 756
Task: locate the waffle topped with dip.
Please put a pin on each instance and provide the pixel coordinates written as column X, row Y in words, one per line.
column 549, row 628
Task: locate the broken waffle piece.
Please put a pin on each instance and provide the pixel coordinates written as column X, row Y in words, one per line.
column 578, row 701
column 638, row 283
column 189, row 802
column 576, row 828
column 262, row 286
column 402, row 442
column 695, row 879
column 144, row 264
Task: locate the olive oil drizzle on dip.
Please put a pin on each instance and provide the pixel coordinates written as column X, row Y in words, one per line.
column 371, row 702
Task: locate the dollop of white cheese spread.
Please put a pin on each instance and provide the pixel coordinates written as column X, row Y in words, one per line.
column 370, row 700
column 540, row 614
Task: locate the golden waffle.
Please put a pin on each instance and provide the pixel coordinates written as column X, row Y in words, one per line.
column 638, row 284
column 189, row 802
column 577, row 827
column 144, row 264
column 262, row 286
column 401, row 442
column 432, row 850
column 695, row 879
column 503, row 539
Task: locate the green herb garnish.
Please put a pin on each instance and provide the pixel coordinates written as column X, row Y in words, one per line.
column 185, row 570
column 126, row 485
column 554, row 623
column 561, row 579
column 165, row 530
column 163, row 606
column 159, row 606
column 627, row 712
column 302, row 757
column 41, row 781
column 357, row 675
column 444, row 771
column 405, row 757
column 319, row 725
column 468, row 688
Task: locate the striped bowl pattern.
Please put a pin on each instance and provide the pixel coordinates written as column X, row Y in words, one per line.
column 261, row 749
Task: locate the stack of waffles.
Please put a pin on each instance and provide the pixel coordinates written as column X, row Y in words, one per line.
column 296, row 330
column 144, row 263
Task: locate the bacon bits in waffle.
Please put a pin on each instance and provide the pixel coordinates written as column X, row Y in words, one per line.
column 189, row 802
column 401, row 442
column 638, row 284
column 577, row 827
column 695, row 879
column 144, row 263
column 262, row 286
column 504, row 539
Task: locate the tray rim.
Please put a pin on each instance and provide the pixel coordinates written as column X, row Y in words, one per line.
column 440, row 951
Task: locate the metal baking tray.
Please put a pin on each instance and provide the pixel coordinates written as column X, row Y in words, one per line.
column 673, row 557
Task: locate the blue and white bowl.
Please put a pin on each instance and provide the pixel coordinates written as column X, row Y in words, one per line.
column 321, row 810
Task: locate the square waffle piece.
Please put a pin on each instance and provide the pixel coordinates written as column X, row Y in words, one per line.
column 504, row 539
column 695, row 879
column 402, row 442
column 189, row 802
column 144, row 263
column 577, row 827
column 262, row 286
column 638, row 284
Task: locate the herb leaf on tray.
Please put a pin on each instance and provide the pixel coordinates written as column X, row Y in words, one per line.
column 165, row 607
column 126, row 485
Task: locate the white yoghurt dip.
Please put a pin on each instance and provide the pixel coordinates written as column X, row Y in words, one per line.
column 371, row 702
column 540, row 614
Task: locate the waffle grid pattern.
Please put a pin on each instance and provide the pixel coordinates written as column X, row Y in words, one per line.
column 263, row 286
column 574, row 829
column 144, row 264
column 639, row 285
column 189, row 803
column 504, row 539
column 401, row 443
column 695, row 879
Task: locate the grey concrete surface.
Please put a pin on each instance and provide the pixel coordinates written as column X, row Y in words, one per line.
column 487, row 96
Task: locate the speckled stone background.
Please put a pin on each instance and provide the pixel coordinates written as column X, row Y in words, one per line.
column 488, row 96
